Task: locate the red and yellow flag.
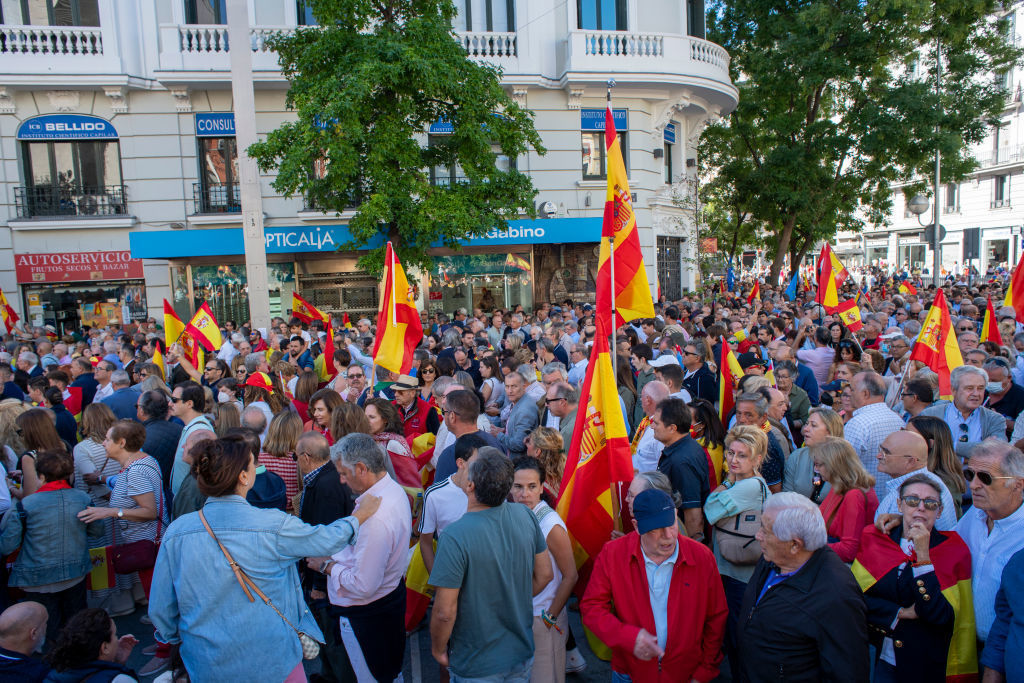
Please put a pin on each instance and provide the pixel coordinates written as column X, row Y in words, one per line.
column 305, row 311
column 755, row 293
column 517, row 262
column 632, row 291
column 849, row 313
column 831, row 275
column 346, row 322
column 936, row 345
column 192, row 351
column 906, row 287
column 398, row 323
column 598, row 459
column 173, row 327
column 158, row 360
column 880, row 554
column 1015, row 292
column 204, row 328
column 8, row 313
column 990, row 328
column 730, row 371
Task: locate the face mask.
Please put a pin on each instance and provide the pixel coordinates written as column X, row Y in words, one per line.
column 994, row 387
column 224, row 398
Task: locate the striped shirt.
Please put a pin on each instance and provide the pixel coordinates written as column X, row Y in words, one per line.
column 443, row 503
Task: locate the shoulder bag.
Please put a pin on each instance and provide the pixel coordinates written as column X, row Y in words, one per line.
column 310, row 646
column 127, row 558
column 736, row 535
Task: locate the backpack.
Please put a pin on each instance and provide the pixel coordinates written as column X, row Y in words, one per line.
column 735, row 535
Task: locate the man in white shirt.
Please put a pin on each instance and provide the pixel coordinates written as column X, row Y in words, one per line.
column 364, row 581
column 579, row 360
column 230, row 348
column 443, row 503
column 871, row 423
column 102, row 374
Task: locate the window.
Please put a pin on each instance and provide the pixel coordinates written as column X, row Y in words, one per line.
column 52, row 12
column 601, row 15
column 304, row 11
column 75, row 178
column 485, row 15
column 669, row 138
column 952, row 190
column 695, row 18
column 206, row 12
column 594, row 163
column 1001, row 191
column 218, row 189
column 670, row 260
column 443, row 175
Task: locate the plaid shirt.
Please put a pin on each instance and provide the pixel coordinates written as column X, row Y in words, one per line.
column 866, row 430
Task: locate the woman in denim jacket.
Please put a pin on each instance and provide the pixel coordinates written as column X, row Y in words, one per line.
column 197, row 600
column 54, row 557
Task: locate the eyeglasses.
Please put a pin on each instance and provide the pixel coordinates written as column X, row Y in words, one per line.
column 930, row 504
column 211, row 369
column 690, row 353
column 886, row 453
column 984, row 477
column 176, row 399
column 295, row 456
column 356, row 376
column 552, row 400
column 963, row 432
column 432, row 371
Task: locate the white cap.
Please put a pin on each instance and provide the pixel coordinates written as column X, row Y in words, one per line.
column 663, row 360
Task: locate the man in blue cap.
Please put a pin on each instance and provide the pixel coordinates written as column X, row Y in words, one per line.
column 679, row 637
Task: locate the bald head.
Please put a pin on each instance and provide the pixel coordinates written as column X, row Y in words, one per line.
column 23, row 627
column 902, row 452
column 653, row 393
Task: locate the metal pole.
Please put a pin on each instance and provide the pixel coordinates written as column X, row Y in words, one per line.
column 251, row 195
column 936, row 237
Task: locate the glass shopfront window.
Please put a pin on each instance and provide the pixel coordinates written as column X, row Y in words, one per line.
column 486, row 281
column 96, row 304
column 225, row 288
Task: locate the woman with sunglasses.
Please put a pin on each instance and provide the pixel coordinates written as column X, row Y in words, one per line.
column 906, row 575
column 428, row 372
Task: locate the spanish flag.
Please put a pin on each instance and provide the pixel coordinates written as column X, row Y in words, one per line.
column 398, row 323
column 1015, row 292
column 989, row 328
column 831, row 275
column 936, row 345
column 204, row 329
column 173, row 327
column 879, row 555
column 192, row 351
column 907, row 288
column 158, row 360
column 7, row 313
column 324, row 363
column 519, row 263
column 729, row 376
column 632, row 292
column 849, row 313
column 755, row 293
column 305, row 311
column 346, row 322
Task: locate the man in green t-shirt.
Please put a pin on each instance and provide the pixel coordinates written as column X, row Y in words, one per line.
column 489, row 565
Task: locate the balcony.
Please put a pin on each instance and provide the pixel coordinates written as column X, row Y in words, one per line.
column 46, row 201
column 651, row 57
column 214, row 198
column 499, row 48
column 1000, row 204
column 204, row 48
column 31, row 51
column 72, row 41
column 1003, row 156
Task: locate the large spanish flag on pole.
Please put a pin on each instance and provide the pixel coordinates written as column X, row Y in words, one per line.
column 620, row 259
column 398, row 323
column 730, row 373
column 879, row 555
column 305, row 311
column 990, row 328
column 204, row 329
column 831, row 276
column 173, row 327
column 599, row 459
column 936, row 345
column 1015, row 291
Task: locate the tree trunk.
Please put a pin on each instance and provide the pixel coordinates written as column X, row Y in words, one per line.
column 781, row 248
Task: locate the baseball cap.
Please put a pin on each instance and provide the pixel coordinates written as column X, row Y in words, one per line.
column 750, row 359
column 663, row 360
column 653, row 509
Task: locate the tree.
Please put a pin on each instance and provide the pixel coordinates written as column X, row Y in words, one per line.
column 837, row 103
column 367, row 84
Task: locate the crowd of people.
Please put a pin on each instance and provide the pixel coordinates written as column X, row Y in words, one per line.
column 281, row 503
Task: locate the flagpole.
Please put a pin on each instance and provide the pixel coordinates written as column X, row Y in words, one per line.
column 394, row 295
column 611, row 263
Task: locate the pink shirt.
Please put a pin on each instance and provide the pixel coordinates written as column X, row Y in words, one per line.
column 372, row 568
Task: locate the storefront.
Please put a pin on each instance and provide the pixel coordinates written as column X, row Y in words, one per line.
column 539, row 260
column 91, row 288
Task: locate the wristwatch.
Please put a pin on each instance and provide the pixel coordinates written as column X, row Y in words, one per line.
column 326, row 565
column 120, row 513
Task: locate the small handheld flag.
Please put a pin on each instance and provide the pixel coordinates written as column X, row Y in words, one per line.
column 204, row 329
column 305, row 311
column 989, row 328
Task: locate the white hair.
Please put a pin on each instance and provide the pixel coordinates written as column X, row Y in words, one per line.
column 796, row 517
column 958, row 375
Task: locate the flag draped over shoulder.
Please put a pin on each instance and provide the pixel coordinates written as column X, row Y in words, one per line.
column 936, row 345
column 305, row 311
column 398, row 323
column 1015, row 292
column 599, row 458
column 951, row 558
column 729, row 376
column 990, row 328
column 204, row 329
column 632, row 290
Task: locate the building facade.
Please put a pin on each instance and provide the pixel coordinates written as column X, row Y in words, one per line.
column 982, row 217
column 118, row 162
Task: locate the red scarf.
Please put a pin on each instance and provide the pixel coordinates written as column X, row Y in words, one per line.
column 58, row 485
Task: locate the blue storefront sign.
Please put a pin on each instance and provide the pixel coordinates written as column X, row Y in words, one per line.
column 66, row 127
column 442, row 127
column 670, row 133
column 327, row 238
column 593, row 119
column 215, row 125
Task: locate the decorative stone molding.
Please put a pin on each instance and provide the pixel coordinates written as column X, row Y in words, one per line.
column 63, row 100
column 182, row 100
column 118, row 99
column 7, row 105
column 661, row 120
column 575, row 98
column 519, row 96
column 698, row 125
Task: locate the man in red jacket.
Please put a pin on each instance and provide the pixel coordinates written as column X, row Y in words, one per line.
column 655, row 597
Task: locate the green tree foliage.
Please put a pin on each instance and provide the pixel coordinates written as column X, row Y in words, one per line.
column 366, row 84
column 838, row 102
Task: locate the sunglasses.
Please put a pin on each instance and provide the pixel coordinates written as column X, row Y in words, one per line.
column 176, row 399
column 210, row 369
column 930, row 504
column 963, row 432
column 984, row 477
